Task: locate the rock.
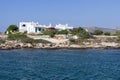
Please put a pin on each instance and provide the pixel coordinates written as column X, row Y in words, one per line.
column 29, row 45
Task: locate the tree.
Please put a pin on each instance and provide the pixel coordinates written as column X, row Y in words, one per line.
column 98, row 32
column 12, row 28
column 81, row 33
column 76, row 31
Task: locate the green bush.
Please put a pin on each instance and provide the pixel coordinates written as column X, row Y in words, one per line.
column 49, row 32
column 63, row 32
column 85, row 35
column 2, row 41
column 98, row 32
column 76, row 31
column 81, row 33
column 17, row 36
column 107, row 33
column 23, row 38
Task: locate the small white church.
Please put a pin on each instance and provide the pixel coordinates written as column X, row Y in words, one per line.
column 32, row 27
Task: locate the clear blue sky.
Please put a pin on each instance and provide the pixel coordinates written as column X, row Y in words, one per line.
column 101, row 13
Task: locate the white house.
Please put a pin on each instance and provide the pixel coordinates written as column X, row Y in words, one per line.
column 31, row 27
column 63, row 27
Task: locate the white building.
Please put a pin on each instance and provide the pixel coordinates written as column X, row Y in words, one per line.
column 63, row 27
column 32, row 27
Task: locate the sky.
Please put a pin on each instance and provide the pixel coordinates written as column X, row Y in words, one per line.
column 84, row 13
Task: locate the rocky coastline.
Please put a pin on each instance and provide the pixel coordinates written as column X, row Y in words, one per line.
column 11, row 44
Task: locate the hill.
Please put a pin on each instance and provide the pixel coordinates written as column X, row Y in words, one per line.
column 92, row 29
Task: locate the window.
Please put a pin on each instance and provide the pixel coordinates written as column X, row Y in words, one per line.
column 23, row 25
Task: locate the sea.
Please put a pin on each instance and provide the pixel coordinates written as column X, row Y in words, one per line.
column 60, row 64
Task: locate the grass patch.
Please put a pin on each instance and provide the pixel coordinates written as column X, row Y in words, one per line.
column 23, row 38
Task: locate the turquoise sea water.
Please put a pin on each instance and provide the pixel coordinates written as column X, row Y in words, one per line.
column 34, row 64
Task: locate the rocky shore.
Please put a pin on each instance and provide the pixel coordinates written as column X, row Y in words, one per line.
column 99, row 42
column 11, row 44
